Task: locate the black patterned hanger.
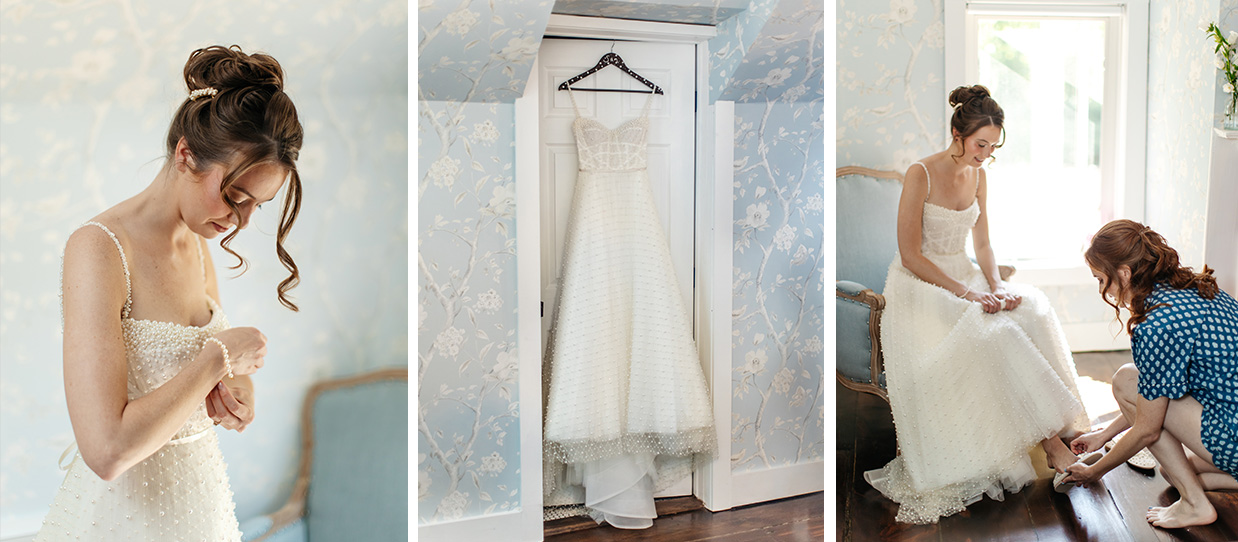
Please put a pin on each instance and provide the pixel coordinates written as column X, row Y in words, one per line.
column 611, row 59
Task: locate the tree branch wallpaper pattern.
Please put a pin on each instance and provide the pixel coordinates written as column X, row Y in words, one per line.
column 468, row 448
column 87, row 92
column 477, row 51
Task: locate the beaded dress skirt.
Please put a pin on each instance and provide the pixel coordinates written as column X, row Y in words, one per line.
column 181, row 491
column 971, row 392
column 627, row 405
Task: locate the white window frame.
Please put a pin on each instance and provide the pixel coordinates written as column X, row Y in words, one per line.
column 1123, row 134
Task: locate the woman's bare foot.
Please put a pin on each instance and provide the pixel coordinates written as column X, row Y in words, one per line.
column 1057, row 455
column 1182, row 514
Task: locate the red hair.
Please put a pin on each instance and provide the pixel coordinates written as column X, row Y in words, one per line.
column 1150, row 260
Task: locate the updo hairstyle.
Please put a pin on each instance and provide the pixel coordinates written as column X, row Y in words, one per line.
column 975, row 108
column 249, row 121
column 1150, row 259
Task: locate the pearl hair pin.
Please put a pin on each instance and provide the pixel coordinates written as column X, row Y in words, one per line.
column 208, row 91
column 227, row 359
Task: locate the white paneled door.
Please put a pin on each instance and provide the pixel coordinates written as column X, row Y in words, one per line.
column 672, row 135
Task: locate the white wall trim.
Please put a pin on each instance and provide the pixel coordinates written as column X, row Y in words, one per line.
column 529, row 300
column 716, row 126
column 575, row 26
column 491, row 527
column 779, row 482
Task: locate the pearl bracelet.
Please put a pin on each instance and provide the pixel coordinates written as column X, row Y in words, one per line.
column 227, row 359
column 965, row 292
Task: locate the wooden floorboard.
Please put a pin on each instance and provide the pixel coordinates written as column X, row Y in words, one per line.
column 793, row 519
column 1110, row 511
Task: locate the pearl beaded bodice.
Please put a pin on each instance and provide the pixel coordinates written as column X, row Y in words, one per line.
column 944, row 230
column 157, row 351
column 599, row 148
column 181, row 491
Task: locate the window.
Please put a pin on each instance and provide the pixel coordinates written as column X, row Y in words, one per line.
column 1071, row 78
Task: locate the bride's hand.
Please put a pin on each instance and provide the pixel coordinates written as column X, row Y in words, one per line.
column 1088, row 442
column 989, row 302
column 1009, row 300
column 247, row 348
column 231, row 408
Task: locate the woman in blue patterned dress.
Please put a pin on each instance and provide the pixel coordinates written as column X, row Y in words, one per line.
column 1182, row 391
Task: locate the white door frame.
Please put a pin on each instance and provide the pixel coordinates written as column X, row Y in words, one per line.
column 712, row 292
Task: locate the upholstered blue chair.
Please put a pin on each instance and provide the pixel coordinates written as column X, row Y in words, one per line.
column 353, row 478
column 867, row 240
column 867, row 203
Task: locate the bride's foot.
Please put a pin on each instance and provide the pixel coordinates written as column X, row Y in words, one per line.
column 1059, row 458
column 1182, row 514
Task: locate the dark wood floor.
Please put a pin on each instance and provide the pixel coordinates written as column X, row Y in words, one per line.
column 1110, row 511
column 794, row 519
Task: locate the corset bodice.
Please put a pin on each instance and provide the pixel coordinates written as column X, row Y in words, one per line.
column 944, row 231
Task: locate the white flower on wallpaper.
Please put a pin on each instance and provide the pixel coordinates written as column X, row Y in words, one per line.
column 467, row 364
column 779, row 316
column 459, row 22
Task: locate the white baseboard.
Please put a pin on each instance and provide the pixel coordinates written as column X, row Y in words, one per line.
column 1096, row 337
column 505, row 526
column 777, row 482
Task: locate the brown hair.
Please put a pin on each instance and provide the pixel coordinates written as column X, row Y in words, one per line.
column 975, row 108
column 250, row 120
column 1150, row 259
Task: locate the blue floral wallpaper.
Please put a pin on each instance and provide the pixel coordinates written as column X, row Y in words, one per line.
column 1181, row 86
column 890, row 93
column 468, row 446
column 778, row 315
column 707, row 12
column 477, row 51
column 786, row 62
column 735, row 36
column 86, row 94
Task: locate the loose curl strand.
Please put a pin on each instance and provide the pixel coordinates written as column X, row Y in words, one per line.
column 1150, row 259
column 248, row 122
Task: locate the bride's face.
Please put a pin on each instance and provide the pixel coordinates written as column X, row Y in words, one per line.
column 979, row 146
column 210, row 216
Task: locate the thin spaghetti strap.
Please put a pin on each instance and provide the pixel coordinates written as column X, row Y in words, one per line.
column 124, row 312
column 575, row 107
column 928, row 179
column 645, row 112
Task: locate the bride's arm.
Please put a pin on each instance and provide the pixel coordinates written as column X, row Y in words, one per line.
column 980, row 238
column 112, row 432
column 910, row 222
column 235, row 409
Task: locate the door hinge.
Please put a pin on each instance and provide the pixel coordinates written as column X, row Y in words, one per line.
column 543, row 315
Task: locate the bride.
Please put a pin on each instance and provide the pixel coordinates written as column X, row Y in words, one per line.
column 150, row 362
column 978, row 370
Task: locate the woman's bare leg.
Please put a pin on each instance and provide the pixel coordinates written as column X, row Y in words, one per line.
column 1181, row 427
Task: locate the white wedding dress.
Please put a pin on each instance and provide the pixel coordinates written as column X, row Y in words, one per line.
column 181, row 491
column 627, row 405
column 971, row 392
